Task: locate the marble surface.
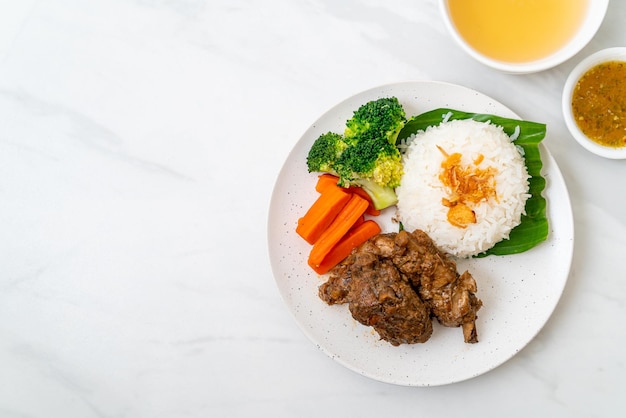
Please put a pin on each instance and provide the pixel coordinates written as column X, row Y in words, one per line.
column 139, row 144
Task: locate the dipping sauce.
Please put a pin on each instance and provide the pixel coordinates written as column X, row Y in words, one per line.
column 517, row 30
column 599, row 104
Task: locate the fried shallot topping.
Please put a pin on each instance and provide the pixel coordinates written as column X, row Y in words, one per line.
column 467, row 185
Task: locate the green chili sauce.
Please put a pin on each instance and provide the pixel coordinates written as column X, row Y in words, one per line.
column 599, row 104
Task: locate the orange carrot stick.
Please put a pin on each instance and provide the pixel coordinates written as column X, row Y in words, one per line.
column 358, row 222
column 324, row 181
column 342, row 223
column 329, row 180
column 344, row 247
column 371, row 210
column 321, row 214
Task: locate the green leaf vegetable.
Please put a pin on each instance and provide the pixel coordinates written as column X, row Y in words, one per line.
column 365, row 155
column 533, row 228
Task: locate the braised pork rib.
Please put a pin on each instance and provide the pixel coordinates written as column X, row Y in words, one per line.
column 397, row 282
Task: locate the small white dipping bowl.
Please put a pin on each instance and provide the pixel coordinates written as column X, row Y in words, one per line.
column 591, row 23
column 605, row 55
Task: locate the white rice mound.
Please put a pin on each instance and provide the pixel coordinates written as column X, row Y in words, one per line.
column 421, row 191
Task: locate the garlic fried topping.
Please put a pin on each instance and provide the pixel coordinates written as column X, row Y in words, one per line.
column 467, row 186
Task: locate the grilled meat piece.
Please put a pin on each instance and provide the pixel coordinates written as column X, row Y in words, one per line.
column 380, row 297
column 450, row 296
column 396, row 282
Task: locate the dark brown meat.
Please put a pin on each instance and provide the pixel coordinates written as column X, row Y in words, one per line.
column 450, row 296
column 396, row 282
column 379, row 297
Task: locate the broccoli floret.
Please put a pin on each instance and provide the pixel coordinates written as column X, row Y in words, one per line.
column 366, row 154
column 375, row 165
column 371, row 158
column 324, row 153
column 383, row 117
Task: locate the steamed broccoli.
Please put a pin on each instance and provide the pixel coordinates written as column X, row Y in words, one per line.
column 365, row 155
column 325, row 152
column 382, row 118
column 370, row 158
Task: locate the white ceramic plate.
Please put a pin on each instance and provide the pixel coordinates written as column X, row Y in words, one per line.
column 519, row 292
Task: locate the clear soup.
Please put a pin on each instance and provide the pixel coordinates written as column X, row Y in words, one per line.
column 517, row 31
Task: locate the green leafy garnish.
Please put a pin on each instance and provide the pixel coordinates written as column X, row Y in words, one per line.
column 533, row 228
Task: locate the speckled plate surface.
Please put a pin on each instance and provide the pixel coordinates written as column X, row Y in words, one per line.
column 519, row 292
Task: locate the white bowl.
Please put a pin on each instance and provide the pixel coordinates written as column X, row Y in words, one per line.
column 609, row 54
column 596, row 11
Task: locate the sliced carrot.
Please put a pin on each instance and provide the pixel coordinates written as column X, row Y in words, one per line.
column 355, row 237
column 321, row 214
column 326, row 181
column 358, row 222
column 342, row 223
column 371, row 210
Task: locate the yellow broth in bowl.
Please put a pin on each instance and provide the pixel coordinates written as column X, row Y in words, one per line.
column 517, row 31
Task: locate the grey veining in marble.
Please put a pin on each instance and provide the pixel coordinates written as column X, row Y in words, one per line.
column 139, row 144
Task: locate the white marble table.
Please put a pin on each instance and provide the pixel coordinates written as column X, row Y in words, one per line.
column 139, row 144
